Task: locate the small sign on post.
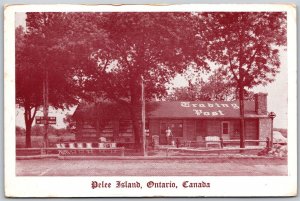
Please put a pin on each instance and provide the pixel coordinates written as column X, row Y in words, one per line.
column 51, row 120
column 43, row 120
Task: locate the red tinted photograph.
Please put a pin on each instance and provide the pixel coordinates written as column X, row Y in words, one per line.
column 179, row 88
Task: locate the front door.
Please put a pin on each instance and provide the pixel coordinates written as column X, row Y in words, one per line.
column 176, row 127
column 225, row 130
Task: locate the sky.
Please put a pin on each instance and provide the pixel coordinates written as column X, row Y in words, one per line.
column 277, row 92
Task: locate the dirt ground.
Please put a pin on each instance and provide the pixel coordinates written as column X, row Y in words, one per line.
column 166, row 167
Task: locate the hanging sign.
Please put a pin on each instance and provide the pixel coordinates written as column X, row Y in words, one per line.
column 43, row 120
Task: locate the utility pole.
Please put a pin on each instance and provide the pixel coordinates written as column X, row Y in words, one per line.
column 143, row 118
column 272, row 115
column 45, row 106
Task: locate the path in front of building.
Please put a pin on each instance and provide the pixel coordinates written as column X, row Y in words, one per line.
column 167, row 167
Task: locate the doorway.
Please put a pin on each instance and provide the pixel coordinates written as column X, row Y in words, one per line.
column 176, row 127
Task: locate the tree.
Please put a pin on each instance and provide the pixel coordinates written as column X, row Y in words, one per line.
column 148, row 45
column 20, row 131
column 70, row 123
column 246, row 47
column 42, row 50
column 28, row 90
column 216, row 88
column 52, row 38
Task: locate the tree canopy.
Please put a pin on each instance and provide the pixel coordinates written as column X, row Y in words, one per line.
column 215, row 88
column 246, row 46
column 108, row 55
column 148, row 46
column 151, row 45
column 41, row 48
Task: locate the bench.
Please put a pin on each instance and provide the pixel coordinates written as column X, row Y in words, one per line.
column 213, row 140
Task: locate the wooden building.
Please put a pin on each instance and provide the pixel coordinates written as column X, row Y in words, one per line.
column 188, row 120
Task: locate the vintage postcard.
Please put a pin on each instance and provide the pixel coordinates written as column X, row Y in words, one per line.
column 187, row 100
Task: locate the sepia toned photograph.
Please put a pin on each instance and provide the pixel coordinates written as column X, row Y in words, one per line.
column 170, row 100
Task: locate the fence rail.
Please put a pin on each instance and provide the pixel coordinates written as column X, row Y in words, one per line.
column 68, row 151
column 222, row 142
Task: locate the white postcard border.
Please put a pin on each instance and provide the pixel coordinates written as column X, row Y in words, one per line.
column 39, row 186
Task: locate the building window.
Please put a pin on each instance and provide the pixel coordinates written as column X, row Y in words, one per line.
column 235, row 130
column 107, row 129
column 125, row 128
column 200, row 128
column 225, row 128
column 176, row 126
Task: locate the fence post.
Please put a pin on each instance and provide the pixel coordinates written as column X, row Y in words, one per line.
column 222, row 142
column 268, row 143
column 123, row 150
column 177, row 142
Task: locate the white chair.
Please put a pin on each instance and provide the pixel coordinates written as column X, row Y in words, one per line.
column 72, row 145
column 60, row 146
column 80, row 147
column 72, row 148
column 62, row 150
column 113, row 145
column 89, row 147
column 101, row 146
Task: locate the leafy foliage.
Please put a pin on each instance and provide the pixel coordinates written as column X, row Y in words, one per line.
column 151, row 46
column 49, row 33
column 246, row 47
column 216, row 88
column 40, row 49
column 106, row 56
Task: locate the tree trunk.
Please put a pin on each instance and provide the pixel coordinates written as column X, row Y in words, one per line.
column 136, row 131
column 28, row 122
column 28, row 136
column 135, row 110
column 242, row 117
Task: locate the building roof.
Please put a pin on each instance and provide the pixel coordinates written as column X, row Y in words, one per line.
column 171, row 109
column 200, row 109
column 105, row 109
